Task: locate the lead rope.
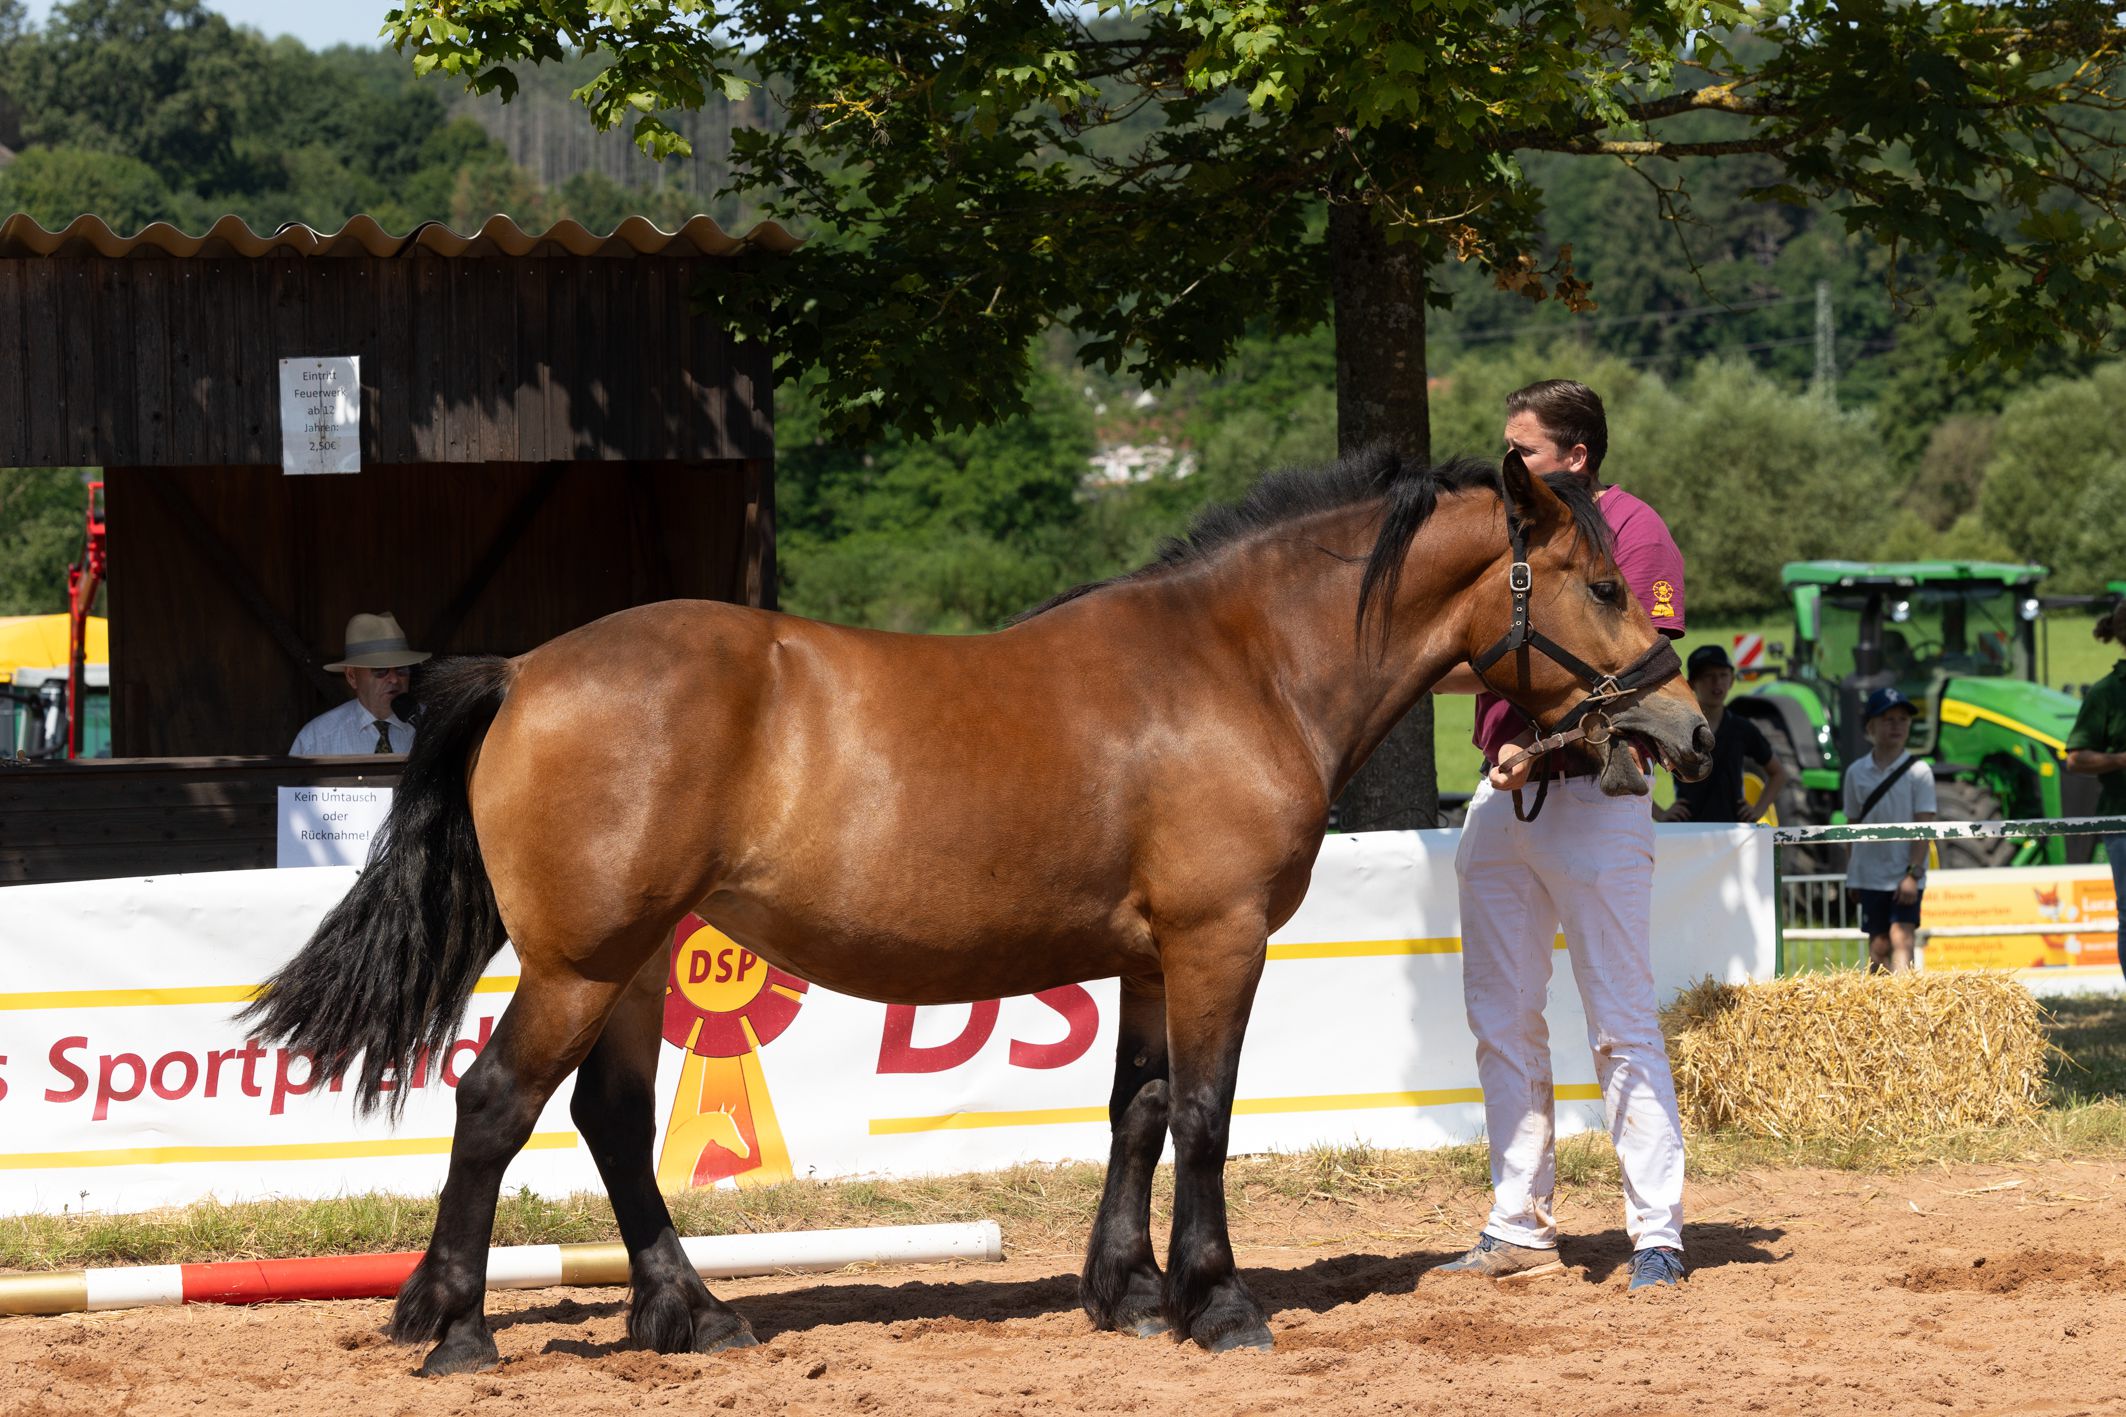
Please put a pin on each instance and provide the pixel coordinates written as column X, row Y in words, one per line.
column 1594, row 730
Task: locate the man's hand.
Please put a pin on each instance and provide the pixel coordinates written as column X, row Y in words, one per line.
column 2089, row 760
column 1512, row 774
column 1678, row 811
column 1907, row 891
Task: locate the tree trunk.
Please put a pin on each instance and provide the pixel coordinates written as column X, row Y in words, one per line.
column 1381, row 398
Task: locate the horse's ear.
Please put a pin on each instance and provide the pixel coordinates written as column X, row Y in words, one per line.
column 1514, row 473
column 1530, row 496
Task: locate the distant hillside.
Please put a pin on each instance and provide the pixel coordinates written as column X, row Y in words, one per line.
column 549, row 136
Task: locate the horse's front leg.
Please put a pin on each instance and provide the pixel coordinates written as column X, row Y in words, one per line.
column 1210, row 977
column 1122, row 1287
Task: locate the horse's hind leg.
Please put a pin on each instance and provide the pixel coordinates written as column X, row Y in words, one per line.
column 542, row 1035
column 1121, row 1287
column 1210, row 978
column 671, row 1311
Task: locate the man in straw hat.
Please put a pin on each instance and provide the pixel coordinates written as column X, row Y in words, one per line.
column 376, row 665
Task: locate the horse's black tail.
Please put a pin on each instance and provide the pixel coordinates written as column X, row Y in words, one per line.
column 391, row 966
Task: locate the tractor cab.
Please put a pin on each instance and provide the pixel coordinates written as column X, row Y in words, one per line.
column 1960, row 639
column 1917, row 625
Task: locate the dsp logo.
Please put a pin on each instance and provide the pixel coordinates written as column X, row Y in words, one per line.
column 723, row 1004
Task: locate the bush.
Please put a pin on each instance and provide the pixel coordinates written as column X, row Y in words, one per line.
column 55, row 185
column 1952, row 470
column 41, row 511
column 1749, row 476
column 2055, row 488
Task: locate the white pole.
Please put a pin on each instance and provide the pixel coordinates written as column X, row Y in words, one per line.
column 731, row 1256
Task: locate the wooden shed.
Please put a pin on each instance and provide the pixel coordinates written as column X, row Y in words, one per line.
column 548, row 430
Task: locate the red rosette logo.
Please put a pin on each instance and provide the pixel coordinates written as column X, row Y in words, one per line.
column 723, row 1004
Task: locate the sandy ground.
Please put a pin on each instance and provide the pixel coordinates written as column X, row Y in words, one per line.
column 1966, row 1290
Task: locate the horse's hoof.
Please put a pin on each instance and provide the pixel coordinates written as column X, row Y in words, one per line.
column 1142, row 1322
column 463, row 1352
column 722, row 1339
column 1256, row 1337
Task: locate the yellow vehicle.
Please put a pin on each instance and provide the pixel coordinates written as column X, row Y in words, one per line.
column 33, row 677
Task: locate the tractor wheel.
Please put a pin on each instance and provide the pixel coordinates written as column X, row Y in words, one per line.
column 1960, row 801
column 1792, row 809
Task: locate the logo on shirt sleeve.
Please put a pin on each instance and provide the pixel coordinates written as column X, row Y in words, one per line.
column 1664, row 601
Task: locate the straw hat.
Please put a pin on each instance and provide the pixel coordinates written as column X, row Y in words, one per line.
column 377, row 642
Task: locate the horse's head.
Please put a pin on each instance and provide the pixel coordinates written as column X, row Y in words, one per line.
column 1558, row 632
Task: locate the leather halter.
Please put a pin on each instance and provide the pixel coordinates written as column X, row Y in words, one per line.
column 1586, row 720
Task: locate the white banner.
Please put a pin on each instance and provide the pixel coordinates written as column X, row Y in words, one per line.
column 124, row 1083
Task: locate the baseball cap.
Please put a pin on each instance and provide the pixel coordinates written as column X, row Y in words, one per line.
column 1888, row 697
column 1706, row 657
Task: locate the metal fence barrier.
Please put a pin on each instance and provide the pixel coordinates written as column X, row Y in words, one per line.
column 1815, row 920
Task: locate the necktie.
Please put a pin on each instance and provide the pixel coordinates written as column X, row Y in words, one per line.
column 383, row 735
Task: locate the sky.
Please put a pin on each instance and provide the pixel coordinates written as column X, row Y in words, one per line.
column 319, row 24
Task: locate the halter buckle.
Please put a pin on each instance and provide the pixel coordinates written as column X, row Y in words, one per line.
column 1520, row 579
column 1607, row 688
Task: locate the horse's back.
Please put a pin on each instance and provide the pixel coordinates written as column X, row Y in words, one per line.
column 837, row 798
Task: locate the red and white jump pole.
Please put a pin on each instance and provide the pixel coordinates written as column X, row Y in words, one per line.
column 75, row 1291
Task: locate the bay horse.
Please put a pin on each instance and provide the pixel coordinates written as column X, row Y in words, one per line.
column 1132, row 780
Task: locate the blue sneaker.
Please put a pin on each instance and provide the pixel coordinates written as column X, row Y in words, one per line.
column 1656, row 1267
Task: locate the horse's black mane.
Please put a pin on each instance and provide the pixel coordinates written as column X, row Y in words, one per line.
column 1410, row 488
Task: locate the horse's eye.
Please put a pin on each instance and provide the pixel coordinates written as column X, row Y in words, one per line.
column 1606, row 592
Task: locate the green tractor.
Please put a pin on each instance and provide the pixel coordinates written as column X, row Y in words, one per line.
column 1960, row 639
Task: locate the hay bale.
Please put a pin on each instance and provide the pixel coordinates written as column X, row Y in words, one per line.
column 1847, row 1054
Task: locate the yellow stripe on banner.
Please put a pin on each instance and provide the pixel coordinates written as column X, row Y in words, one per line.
column 1355, row 1101
column 1244, row 1107
column 281, row 1151
column 188, row 994
column 962, row 1121
column 1373, row 949
column 1361, row 949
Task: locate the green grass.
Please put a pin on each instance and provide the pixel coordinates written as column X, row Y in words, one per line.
column 2076, row 656
column 2089, row 1067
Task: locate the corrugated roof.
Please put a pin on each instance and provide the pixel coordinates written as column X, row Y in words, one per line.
column 362, row 236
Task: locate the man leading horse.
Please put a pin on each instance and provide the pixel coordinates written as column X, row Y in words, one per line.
column 1583, row 860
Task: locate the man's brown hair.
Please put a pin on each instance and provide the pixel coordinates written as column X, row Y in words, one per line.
column 1570, row 413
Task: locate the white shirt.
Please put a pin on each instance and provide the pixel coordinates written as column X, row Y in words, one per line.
column 1880, row 865
column 349, row 729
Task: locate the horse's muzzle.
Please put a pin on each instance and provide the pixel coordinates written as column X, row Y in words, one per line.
column 1676, row 734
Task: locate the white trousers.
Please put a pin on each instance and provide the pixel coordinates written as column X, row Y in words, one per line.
column 1586, row 865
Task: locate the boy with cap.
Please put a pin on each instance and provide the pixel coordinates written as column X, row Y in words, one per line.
column 1736, row 743
column 1888, row 878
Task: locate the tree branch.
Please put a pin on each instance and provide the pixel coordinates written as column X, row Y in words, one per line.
column 1714, row 98
column 1645, row 147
